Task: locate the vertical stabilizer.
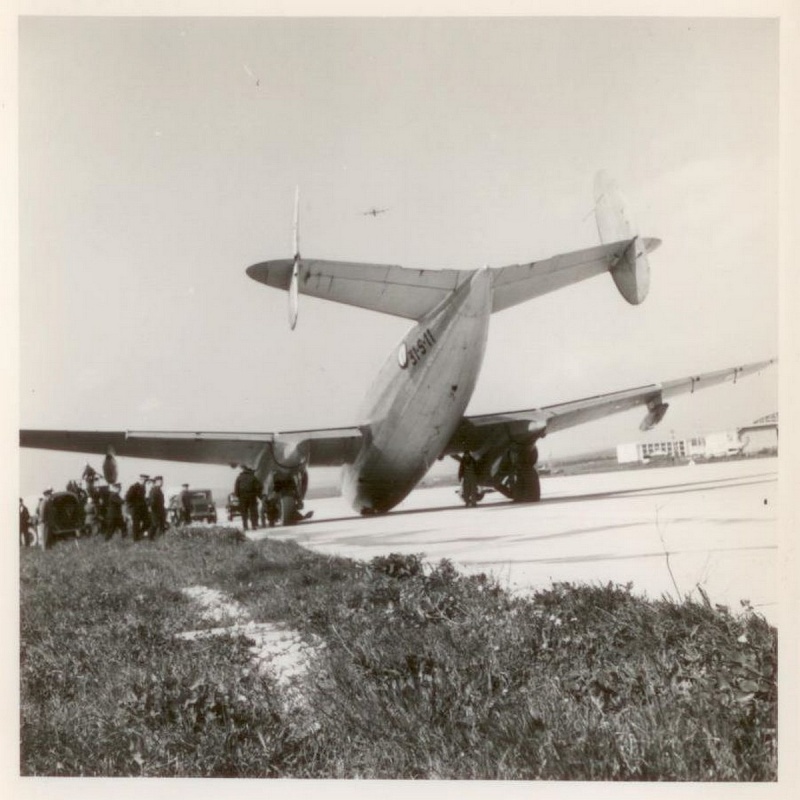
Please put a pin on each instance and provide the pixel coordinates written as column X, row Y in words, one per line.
column 631, row 273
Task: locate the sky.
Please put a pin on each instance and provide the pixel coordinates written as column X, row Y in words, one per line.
column 158, row 158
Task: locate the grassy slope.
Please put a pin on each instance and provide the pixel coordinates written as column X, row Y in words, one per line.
column 426, row 673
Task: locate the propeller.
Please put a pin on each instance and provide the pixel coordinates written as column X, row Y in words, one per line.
column 293, row 286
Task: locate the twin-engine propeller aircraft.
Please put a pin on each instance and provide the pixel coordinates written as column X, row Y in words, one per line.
column 414, row 412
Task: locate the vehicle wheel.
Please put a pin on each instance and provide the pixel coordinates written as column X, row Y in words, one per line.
column 288, row 509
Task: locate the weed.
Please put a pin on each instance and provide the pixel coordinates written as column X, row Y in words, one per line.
column 425, row 673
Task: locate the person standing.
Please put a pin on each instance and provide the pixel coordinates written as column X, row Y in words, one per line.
column 91, row 522
column 44, row 517
column 89, row 476
column 114, row 518
column 248, row 488
column 158, row 512
column 136, row 499
column 25, row 537
column 468, row 475
column 186, row 505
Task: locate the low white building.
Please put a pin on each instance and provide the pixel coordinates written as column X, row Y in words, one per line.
column 761, row 436
column 644, row 451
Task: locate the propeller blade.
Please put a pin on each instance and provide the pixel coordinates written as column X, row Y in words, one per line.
column 294, row 294
column 296, row 251
column 293, row 286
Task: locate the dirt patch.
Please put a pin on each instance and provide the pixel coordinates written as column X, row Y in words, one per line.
column 281, row 652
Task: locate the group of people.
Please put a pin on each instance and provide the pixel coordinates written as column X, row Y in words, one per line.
column 148, row 512
column 260, row 503
column 105, row 508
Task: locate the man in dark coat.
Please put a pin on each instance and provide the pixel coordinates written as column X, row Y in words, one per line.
column 136, row 499
column 186, row 505
column 158, row 511
column 248, row 489
column 467, row 474
column 25, row 536
column 114, row 518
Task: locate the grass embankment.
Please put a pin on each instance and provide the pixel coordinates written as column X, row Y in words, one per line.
column 425, row 673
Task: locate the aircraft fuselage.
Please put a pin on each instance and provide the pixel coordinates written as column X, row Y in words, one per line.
column 419, row 397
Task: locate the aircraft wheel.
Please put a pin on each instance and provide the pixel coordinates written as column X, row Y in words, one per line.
column 527, row 488
column 288, row 509
column 536, row 487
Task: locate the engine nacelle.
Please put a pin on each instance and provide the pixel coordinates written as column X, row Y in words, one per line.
column 284, row 463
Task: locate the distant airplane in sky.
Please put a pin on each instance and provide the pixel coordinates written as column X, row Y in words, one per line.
column 374, row 212
column 252, row 74
column 414, row 412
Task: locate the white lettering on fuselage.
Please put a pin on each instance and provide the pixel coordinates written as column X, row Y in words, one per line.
column 412, row 354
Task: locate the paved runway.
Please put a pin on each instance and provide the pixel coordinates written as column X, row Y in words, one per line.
column 717, row 522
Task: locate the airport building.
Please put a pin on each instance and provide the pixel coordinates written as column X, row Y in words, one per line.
column 760, row 437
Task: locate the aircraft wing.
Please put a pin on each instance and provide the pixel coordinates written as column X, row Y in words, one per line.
column 326, row 447
column 477, row 432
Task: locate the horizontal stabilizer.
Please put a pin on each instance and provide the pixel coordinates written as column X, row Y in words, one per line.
column 390, row 289
column 520, row 282
column 413, row 293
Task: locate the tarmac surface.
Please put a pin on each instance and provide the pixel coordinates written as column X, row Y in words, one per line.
column 666, row 530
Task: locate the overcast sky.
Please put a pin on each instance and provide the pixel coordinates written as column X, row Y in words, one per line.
column 158, row 159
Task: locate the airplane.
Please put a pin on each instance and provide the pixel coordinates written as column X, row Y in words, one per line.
column 374, row 212
column 252, row 74
column 414, row 412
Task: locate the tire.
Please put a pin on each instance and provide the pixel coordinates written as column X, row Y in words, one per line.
column 535, row 487
column 527, row 488
column 288, row 509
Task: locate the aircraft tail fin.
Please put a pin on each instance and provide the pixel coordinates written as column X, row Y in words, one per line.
column 631, row 271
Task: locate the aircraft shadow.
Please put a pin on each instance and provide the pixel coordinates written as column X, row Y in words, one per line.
column 644, row 491
column 406, row 512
